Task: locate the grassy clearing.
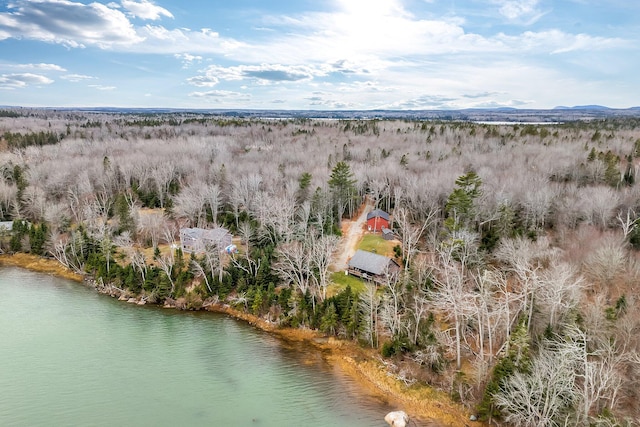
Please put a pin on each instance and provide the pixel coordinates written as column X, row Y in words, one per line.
column 376, row 244
column 340, row 281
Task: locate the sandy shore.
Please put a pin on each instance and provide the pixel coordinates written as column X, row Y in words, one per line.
column 422, row 403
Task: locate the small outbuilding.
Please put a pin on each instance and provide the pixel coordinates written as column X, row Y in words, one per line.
column 377, row 220
column 372, row 266
column 388, row 234
column 197, row 240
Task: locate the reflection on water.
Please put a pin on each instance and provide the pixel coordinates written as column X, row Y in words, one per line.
column 72, row 357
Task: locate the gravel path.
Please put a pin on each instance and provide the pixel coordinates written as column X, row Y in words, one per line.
column 352, row 231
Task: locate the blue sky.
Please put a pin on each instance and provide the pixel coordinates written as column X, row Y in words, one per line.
column 331, row 54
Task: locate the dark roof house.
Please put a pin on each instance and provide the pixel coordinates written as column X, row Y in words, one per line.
column 378, row 213
column 373, row 266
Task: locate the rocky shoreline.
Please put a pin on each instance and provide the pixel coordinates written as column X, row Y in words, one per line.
column 424, row 404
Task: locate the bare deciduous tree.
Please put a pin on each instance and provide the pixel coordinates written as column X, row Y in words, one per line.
column 628, row 223
column 322, row 250
column 452, row 298
column 545, row 394
column 368, row 304
column 607, row 261
column 150, row 227
column 166, row 263
column 411, row 232
column 293, row 265
column 70, row 251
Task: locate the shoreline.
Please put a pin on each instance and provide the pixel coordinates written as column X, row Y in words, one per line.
column 422, row 403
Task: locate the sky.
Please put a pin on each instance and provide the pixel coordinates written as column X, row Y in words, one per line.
column 320, row 55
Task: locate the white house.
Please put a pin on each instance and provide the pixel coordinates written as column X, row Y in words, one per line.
column 197, row 240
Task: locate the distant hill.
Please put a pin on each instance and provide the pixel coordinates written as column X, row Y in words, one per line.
column 583, row 107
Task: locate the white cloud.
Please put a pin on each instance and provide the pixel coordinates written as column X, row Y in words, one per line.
column 328, row 101
column 145, row 10
column 203, row 81
column 365, row 86
column 371, row 34
column 102, row 87
column 40, row 66
column 188, row 59
column 221, row 95
column 161, row 40
column 371, row 39
column 78, row 25
column 377, row 34
column 76, row 77
column 261, row 74
column 374, row 31
column 480, row 95
column 69, row 23
column 516, row 9
column 16, row 81
column 556, row 41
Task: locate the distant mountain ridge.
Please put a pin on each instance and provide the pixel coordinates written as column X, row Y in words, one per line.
column 585, row 107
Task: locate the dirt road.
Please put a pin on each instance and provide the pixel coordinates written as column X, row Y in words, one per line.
column 352, row 231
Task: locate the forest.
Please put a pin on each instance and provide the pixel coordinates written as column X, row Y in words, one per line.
column 518, row 242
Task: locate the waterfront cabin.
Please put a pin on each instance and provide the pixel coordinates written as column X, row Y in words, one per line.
column 370, row 266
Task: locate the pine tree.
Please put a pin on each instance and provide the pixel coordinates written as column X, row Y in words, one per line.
column 459, row 205
column 303, row 187
column 329, row 320
column 343, row 188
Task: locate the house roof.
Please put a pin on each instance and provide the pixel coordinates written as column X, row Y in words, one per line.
column 370, row 262
column 215, row 234
column 7, row 225
column 386, row 230
column 378, row 213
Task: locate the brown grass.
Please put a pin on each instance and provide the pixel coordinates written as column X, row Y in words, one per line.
column 42, row 265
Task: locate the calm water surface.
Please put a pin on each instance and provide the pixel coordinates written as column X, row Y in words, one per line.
column 71, row 357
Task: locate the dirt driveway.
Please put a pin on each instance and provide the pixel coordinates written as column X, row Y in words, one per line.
column 352, row 231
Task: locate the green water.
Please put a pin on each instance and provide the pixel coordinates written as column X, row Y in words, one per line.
column 71, row 357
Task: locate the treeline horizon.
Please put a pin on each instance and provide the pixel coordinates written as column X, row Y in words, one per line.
column 519, row 242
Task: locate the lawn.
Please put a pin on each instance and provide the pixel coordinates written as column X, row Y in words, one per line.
column 339, row 282
column 376, row 244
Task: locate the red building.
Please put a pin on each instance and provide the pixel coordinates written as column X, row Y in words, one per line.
column 377, row 220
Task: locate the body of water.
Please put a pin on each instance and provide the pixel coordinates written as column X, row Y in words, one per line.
column 72, row 357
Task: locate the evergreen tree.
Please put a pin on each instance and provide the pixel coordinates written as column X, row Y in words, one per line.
column 303, row 187
column 256, row 307
column 459, row 205
column 343, row 188
column 125, row 220
column 329, row 320
column 37, row 238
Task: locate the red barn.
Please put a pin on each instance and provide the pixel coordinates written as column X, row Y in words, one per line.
column 377, row 220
